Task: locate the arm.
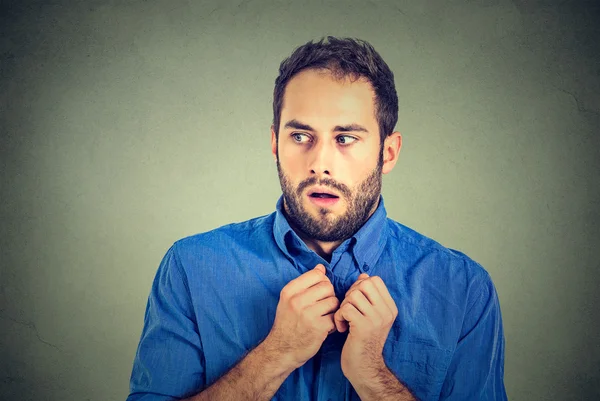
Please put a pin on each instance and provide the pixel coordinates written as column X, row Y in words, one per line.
column 169, row 363
column 476, row 371
column 256, row 377
column 368, row 312
column 303, row 320
column 380, row 384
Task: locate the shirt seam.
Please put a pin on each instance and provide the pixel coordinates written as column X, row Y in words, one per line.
column 186, row 280
column 439, row 249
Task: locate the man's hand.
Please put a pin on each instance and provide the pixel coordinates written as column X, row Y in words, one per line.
column 304, row 317
column 369, row 311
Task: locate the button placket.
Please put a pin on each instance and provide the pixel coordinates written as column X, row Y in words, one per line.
column 331, row 380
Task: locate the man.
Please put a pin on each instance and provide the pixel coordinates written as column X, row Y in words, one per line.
column 326, row 298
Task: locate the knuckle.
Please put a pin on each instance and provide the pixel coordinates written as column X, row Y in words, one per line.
column 295, row 304
column 351, row 297
column 387, row 320
column 366, row 284
column 323, row 277
column 325, row 288
column 330, row 289
column 325, row 284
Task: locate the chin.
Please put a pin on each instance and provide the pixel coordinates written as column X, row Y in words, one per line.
column 329, row 211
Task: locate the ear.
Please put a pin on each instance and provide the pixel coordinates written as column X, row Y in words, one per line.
column 391, row 151
column 273, row 143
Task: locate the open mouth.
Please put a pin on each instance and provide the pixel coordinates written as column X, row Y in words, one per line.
column 323, row 199
column 322, row 195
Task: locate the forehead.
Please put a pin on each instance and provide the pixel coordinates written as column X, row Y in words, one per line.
column 318, row 95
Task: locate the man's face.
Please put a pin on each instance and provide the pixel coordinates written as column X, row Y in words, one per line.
column 329, row 156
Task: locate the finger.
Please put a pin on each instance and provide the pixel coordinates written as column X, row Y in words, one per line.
column 385, row 295
column 347, row 316
column 319, row 291
column 328, row 323
column 371, row 291
column 305, row 281
column 367, row 288
column 360, row 302
column 340, row 323
column 320, row 268
column 361, row 277
column 324, row 307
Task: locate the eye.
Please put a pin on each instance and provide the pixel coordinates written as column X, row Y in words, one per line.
column 300, row 138
column 346, row 139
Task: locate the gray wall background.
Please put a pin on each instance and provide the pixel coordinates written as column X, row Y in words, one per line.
column 128, row 125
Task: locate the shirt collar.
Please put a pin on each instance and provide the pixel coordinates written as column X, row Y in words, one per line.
column 370, row 240
column 366, row 245
column 288, row 241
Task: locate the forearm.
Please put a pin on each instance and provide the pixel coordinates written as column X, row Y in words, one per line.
column 381, row 385
column 256, row 377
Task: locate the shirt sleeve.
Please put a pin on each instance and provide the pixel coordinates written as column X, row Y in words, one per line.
column 169, row 362
column 476, row 371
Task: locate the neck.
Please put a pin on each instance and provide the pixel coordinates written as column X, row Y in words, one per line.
column 322, row 248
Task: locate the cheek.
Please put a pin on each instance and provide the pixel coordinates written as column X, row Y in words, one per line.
column 356, row 170
column 291, row 163
column 291, row 170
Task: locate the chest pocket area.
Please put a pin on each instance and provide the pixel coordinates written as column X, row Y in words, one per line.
column 420, row 366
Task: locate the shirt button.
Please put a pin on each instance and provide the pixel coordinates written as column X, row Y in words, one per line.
column 366, row 267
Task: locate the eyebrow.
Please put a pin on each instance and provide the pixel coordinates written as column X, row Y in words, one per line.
column 295, row 124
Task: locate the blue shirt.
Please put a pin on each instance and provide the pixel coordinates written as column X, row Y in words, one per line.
column 215, row 295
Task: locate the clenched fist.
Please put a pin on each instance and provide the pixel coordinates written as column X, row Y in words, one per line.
column 368, row 312
column 304, row 317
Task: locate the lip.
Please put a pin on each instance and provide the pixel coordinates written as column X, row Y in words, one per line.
column 322, row 202
column 322, row 190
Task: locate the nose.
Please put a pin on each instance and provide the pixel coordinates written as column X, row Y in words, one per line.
column 321, row 159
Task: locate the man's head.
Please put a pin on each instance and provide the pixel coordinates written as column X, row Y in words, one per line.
column 335, row 108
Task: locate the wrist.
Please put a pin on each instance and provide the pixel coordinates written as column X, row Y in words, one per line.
column 272, row 357
column 367, row 371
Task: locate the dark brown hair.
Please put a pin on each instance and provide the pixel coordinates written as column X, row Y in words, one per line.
column 343, row 57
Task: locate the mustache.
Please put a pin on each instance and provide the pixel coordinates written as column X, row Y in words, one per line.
column 326, row 182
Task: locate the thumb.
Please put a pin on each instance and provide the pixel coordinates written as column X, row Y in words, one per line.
column 320, row 268
column 363, row 276
column 341, row 324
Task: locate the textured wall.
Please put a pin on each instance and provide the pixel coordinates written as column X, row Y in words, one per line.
column 128, row 125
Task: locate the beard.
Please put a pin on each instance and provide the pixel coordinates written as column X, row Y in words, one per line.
column 326, row 226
